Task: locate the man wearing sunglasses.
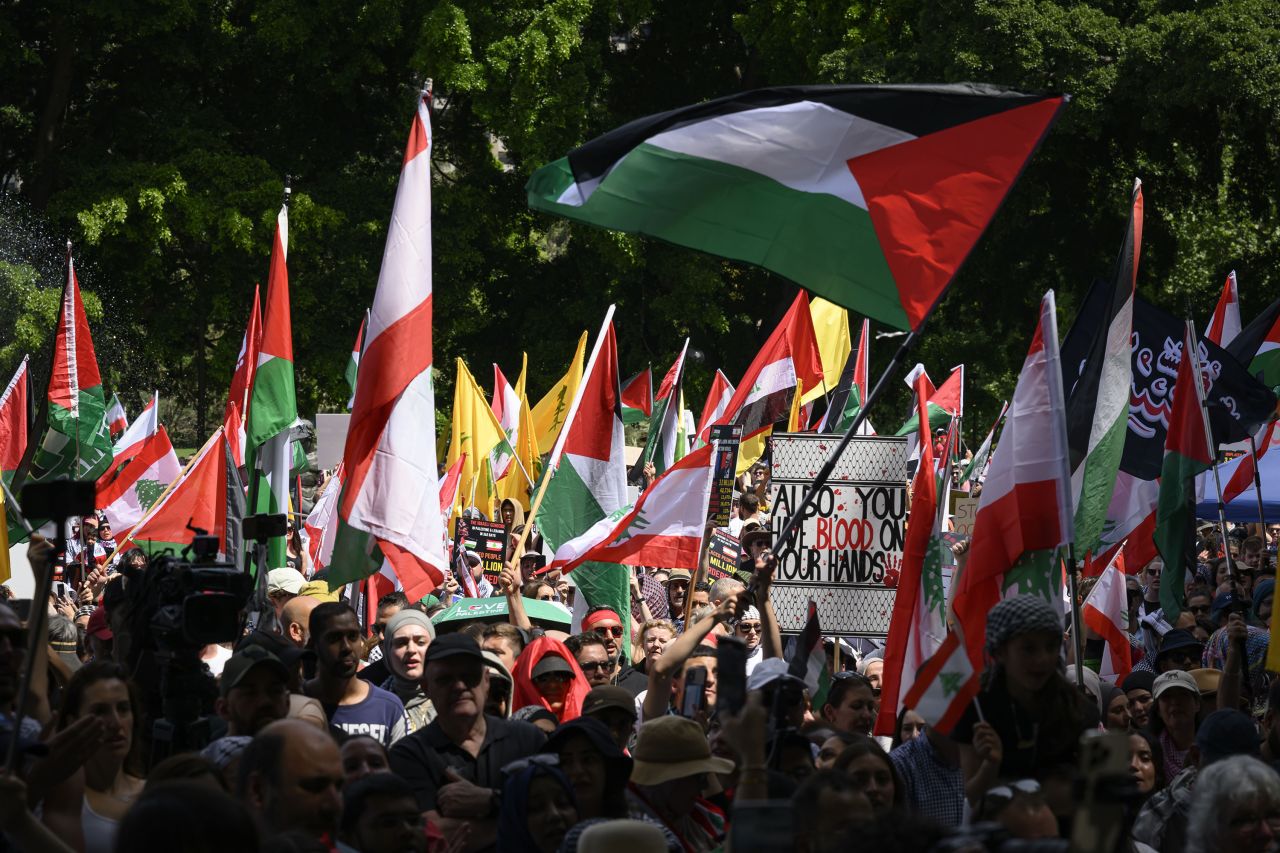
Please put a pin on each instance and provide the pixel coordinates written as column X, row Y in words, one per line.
column 606, row 622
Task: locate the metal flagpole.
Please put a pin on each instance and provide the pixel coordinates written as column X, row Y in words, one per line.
column 1257, row 482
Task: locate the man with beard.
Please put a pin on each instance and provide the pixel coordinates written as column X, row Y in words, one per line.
column 607, row 624
column 254, row 691
column 351, row 704
column 454, row 765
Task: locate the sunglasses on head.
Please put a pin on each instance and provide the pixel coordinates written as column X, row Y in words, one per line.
column 1001, row 795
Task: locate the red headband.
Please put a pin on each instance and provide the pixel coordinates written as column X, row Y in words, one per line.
column 589, row 621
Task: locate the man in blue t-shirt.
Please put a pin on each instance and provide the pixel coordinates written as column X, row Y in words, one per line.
column 351, row 704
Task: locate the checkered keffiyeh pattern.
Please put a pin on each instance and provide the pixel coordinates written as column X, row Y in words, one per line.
column 655, row 595
column 1022, row 614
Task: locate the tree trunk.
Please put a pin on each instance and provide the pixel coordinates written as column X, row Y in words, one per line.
column 51, row 117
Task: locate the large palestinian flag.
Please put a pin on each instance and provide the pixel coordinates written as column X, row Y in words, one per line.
column 871, row 196
column 77, row 443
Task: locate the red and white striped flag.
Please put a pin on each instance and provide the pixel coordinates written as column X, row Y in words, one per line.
column 117, row 419
column 1106, row 612
column 131, row 442
column 320, row 525
column 390, row 503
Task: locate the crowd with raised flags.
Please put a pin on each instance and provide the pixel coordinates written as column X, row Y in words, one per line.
column 570, row 625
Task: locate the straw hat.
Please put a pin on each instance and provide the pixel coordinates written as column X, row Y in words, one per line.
column 673, row 748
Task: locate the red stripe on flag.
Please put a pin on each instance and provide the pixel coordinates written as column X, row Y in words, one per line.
column 390, row 362
column 1117, row 640
column 1024, row 519
column 417, row 577
column 419, row 140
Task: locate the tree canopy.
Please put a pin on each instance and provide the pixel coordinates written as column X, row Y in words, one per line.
column 156, row 136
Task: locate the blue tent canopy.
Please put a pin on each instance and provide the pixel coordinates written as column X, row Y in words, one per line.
column 1244, row 507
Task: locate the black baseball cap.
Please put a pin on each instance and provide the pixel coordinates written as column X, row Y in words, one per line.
column 453, row 645
column 243, row 662
column 608, row 696
column 550, row 664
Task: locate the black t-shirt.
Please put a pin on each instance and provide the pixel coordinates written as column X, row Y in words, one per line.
column 375, row 673
column 633, row 680
column 1030, row 747
column 421, row 758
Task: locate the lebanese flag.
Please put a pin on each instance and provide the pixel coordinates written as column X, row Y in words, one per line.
column 1106, row 611
column 1026, row 500
column 197, row 499
column 449, row 484
column 663, row 528
column 13, row 421
column 790, row 355
column 131, row 442
column 945, row 685
column 637, row 397
column 1224, row 325
column 320, row 524
column 918, row 625
column 390, row 504
column 117, row 420
column 140, row 483
column 718, row 397
column 506, row 408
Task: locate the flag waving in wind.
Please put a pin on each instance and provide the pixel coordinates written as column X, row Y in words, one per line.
column 117, row 418
column 390, row 502
column 718, row 397
column 1224, row 325
column 13, row 421
column 870, row 196
column 664, row 424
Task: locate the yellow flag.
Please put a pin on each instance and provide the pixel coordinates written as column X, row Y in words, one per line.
column 515, row 485
column 831, row 327
column 475, row 432
column 549, row 414
column 793, row 419
column 751, row 449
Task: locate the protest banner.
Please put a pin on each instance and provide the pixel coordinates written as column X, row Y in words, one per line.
column 486, row 540
column 849, row 546
column 722, row 555
column 726, row 439
column 964, row 510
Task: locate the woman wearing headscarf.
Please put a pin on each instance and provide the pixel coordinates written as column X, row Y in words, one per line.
column 537, row 807
column 595, row 765
column 404, row 648
column 1030, row 716
column 547, row 674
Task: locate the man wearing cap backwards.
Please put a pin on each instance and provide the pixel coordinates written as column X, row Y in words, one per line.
column 454, row 765
column 254, row 691
column 1162, row 822
column 352, row 704
column 671, row 764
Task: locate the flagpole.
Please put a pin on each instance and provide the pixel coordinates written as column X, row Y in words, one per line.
column 1257, row 481
column 785, row 536
column 120, row 549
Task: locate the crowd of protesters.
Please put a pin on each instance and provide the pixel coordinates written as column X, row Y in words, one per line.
column 329, row 734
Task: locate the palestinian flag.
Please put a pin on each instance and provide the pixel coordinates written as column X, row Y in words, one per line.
column 637, row 397
column 273, row 408
column 1186, row 454
column 851, row 390
column 549, row 413
column 389, row 507
column 1098, row 405
column 870, row 196
column 139, row 483
column 664, row 424
column 809, row 660
column 506, row 408
column 918, row 624
column 977, row 468
column 1024, row 514
column 242, row 382
column 790, row 355
column 353, row 363
column 13, row 422
column 208, row 495
column 1224, row 325
column 1258, row 346
column 831, row 331
column 944, row 403
column 517, row 488
column 588, row 472
column 77, row 443
column 117, row 420
column 718, row 397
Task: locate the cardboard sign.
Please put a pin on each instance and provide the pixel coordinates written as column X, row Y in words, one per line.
column 722, row 555
column 847, row 551
column 487, row 540
column 964, row 512
column 726, row 439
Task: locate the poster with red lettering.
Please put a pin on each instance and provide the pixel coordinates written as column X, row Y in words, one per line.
column 849, row 544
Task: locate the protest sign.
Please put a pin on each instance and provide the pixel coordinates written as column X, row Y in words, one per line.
column 726, row 439
column 850, row 539
column 964, row 511
column 485, row 539
column 722, row 555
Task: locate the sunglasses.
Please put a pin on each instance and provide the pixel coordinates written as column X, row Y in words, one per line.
column 1001, row 795
column 1199, row 609
column 749, row 627
column 614, row 631
column 553, row 676
column 594, row 666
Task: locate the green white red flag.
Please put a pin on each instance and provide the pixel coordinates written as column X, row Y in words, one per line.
column 273, row 407
column 1224, row 325
column 871, row 196
column 661, row 447
column 851, row 391
column 390, row 502
column 1024, row 514
column 242, row 382
column 77, row 443
column 717, row 404
column 637, row 397
column 117, row 418
column 1186, row 454
column 353, row 363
